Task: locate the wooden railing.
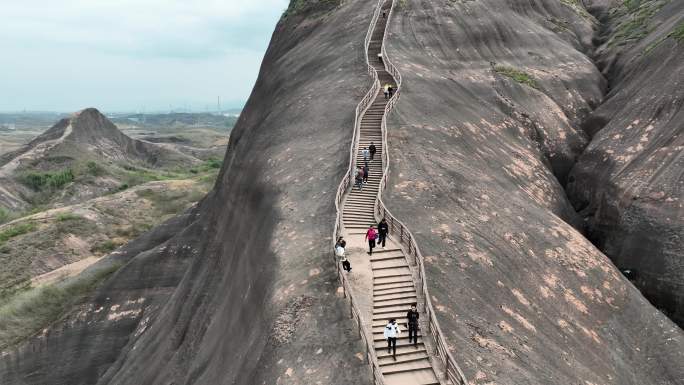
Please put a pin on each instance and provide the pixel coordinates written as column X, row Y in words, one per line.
column 404, row 236
column 366, row 101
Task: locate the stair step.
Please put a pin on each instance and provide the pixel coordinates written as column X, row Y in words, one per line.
column 353, row 216
column 396, row 290
column 408, row 293
column 381, row 319
column 392, row 263
column 380, row 283
column 383, row 304
column 402, row 273
column 406, row 353
column 410, row 366
column 413, row 377
column 399, row 256
column 382, row 344
column 384, row 288
column 379, row 266
column 389, row 312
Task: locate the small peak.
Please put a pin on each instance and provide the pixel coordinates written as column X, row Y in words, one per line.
column 92, row 111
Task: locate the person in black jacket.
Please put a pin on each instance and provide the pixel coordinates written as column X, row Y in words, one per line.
column 412, row 324
column 383, row 230
column 372, row 150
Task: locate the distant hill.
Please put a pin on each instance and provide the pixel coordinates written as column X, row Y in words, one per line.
column 86, row 148
column 173, row 120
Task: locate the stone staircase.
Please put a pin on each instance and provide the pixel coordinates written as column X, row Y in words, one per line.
column 394, row 289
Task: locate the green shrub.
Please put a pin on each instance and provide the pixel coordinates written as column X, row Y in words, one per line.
column 105, row 247
column 32, row 310
column 40, row 181
column 16, row 230
column 678, row 32
column 4, row 216
column 94, row 169
column 631, row 4
column 213, row 163
column 517, row 75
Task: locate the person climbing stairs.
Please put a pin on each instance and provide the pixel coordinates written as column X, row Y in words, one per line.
column 394, row 290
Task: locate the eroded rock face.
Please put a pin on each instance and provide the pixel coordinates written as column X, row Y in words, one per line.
column 245, row 291
column 629, row 183
column 478, row 165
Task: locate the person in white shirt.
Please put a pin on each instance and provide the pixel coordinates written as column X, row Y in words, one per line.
column 366, row 155
column 392, row 331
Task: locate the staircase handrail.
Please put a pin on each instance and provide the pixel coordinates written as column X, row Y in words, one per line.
column 361, row 108
column 453, row 371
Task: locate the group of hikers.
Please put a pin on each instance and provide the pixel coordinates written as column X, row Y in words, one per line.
column 361, row 175
column 372, row 236
column 392, row 330
column 388, row 90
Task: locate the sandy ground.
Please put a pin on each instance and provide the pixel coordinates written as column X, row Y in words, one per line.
column 63, row 272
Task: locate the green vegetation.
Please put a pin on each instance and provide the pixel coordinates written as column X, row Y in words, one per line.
column 517, row 75
column 94, row 169
column 638, row 15
column 32, row 310
column 40, row 181
column 133, row 230
column 15, row 231
column 5, row 216
column 677, row 34
column 578, row 7
column 105, row 247
column 631, row 5
column 63, row 217
column 208, row 165
column 170, row 202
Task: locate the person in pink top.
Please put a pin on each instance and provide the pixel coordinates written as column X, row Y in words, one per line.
column 371, row 235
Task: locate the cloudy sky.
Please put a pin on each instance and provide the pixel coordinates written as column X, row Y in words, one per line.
column 131, row 55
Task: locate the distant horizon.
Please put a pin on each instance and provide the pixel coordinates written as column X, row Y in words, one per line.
column 145, row 112
column 66, row 55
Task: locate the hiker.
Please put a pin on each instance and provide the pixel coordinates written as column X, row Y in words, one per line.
column 383, row 230
column 380, row 57
column 346, row 265
column 372, row 150
column 371, row 235
column 384, row 14
column 391, row 333
column 340, row 243
column 390, row 90
column 359, row 178
column 412, row 324
column 366, row 155
column 386, row 90
column 365, row 174
column 339, row 251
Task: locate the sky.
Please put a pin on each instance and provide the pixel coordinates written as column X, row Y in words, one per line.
column 131, row 55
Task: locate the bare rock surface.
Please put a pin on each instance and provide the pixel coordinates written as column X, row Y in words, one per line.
column 629, row 182
column 242, row 289
column 487, row 129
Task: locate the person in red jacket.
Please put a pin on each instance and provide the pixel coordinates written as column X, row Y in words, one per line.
column 371, row 235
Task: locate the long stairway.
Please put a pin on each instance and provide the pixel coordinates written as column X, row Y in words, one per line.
column 394, row 289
